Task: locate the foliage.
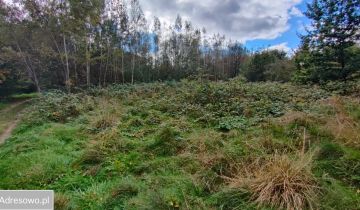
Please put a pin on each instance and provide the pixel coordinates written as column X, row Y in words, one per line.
column 229, row 123
column 183, row 145
column 60, row 107
column 329, row 49
column 71, row 44
column 269, row 65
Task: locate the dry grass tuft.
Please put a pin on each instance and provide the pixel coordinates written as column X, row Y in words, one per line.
column 106, row 120
column 291, row 117
column 61, row 201
column 279, row 182
column 342, row 126
column 204, row 146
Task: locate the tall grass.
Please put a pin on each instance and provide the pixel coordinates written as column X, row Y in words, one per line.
column 280, row 181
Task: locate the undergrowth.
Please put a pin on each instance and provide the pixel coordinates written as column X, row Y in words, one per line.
column 189, row 145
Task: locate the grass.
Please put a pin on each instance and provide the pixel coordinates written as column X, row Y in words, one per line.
column 3, row 105
column 24, row 96
column 279, row 181
column 187, row 145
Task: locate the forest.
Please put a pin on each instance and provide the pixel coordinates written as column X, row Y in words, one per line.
column 114, row 110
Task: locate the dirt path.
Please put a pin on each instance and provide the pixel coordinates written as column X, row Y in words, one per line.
column 12, row 125
column 7, row 133
column 12, row 106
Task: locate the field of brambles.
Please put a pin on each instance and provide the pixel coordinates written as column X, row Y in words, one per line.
column 190, row 145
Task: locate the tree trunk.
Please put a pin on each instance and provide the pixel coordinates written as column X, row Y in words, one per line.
column 122, row 67
column 58, row 49
column 133, row 69
column 107, row 63
column 342, row 63
column 67, row 72
column 88, row 82
column 101, row 65
column 37, row 83
column 30, row 71
column 115, row 68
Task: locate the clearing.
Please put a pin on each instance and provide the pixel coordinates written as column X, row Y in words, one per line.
column 189, row 145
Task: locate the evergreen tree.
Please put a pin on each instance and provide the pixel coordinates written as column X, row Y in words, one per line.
column 335, row 28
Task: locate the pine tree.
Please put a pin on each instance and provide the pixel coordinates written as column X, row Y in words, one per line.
column 335, row 28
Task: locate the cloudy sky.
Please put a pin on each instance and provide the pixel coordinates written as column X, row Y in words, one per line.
column 257, row 23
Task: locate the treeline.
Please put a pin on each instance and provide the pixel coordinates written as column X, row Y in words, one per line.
column 83, row 43
column 76, row 43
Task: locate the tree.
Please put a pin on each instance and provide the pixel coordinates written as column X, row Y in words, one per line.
column 269, row 65
column 136, row 29
column 335, row 28
column 156, row 41
column 77, row 43
column 19, row 36
column 237, row 55
column 122, row 20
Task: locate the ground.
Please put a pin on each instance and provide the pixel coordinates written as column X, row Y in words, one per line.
column 10, row 114
column 190, row 145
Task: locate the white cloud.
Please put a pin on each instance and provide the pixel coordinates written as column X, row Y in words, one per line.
column 296, row 12
column 241, row 20
column 281, row 47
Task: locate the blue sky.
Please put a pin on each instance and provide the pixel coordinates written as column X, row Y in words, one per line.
column 289, row 38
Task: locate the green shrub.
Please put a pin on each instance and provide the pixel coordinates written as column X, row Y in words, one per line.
column 229, row 123
column 60, row 107
column 167, row 142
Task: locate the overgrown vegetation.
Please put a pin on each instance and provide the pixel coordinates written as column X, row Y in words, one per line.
column 224, row 130
column 189, row 145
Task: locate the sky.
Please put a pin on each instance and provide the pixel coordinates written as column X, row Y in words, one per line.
column 259, row 24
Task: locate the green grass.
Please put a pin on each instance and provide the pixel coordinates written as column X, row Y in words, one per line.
column 24, row 96
column 174, row 146
column 3, row 105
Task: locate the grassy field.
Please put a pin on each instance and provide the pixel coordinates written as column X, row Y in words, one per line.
column 190, row 145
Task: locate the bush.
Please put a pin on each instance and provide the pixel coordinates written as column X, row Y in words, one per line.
column 343, row 88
